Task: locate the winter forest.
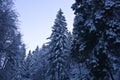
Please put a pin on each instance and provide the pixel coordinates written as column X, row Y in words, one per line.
column 90, row 52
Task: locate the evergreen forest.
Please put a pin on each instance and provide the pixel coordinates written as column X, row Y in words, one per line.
column 90, row 52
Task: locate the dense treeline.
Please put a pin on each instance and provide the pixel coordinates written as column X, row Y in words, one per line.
column 90, row 52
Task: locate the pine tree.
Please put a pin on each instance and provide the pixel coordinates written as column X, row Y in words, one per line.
column 7, row 25
column 18, row 57
column 36, row 64
column 96, row 35
column 58, row 49
column 28, row 63
column 10, row 42
column 41, row 65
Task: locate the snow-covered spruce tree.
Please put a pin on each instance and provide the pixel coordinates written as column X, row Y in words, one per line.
column 15, row 61
column 28, row 63
column 7, row 26
column 36, row 64
column 40, row 65
column 58, row 49
column 21, row 62
column 13, row 68
column 96, row 35
column 10, row 41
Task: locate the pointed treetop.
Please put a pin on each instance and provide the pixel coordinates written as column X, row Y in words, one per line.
column 60, row 11
column 60, row 15
column 37, row 48
column 29, row 53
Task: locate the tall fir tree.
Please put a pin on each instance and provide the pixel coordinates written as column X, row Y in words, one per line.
column 58, row 49
column 10, row 42
column 28, row 63
column 41, row 65
column 96, row 35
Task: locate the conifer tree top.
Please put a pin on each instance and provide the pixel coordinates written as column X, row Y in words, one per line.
column 59, row 26
column 60, row 18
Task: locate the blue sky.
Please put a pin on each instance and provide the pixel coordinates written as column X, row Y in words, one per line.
column 37, row 17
